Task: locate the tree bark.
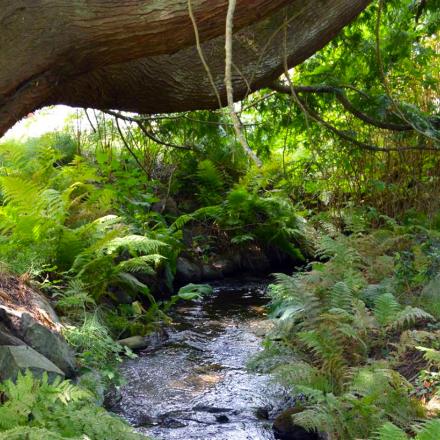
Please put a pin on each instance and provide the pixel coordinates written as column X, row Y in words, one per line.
column 140, row 55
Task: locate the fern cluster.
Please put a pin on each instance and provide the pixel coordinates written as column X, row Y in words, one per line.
column 38, row 410
column 347, row 340
column 251, row 217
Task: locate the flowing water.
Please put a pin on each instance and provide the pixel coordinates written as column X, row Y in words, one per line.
column 196, row 386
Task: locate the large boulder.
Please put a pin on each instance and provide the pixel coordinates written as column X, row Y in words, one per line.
column 27, row 318
column 15, row 359
column 49, row 343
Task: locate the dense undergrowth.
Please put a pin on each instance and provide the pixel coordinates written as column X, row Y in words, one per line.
column 357, row 336
column 98, row 217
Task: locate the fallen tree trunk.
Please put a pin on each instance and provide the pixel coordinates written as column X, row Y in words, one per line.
column 140, row 55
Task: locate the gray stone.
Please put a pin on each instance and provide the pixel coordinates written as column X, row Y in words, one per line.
column 211, row 272
column 43, row 306
column 15, row 359
column 7, row 338
column 134, row 342
column 227, row 266
column 187, row 271
column 48, row 343
column 151, row 341
column 432, row 289
column 168, row 206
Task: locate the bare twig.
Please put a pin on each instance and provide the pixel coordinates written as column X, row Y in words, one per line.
column 201, row 55
column 127, row 146
column 228, row 83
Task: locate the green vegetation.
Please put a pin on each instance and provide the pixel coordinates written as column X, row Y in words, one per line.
column 352, row 331
column 348, row 190
column 37, row 410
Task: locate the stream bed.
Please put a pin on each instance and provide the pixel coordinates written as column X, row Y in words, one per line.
column 196, row 385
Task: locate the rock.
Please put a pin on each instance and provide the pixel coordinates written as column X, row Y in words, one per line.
column 285, row 429
column 150, row 341
column 7, row 338
column 173, row 423
column 112, row 397
column 211, row 272
column 187, row 271
column 15, row 359
column 43, row 307
column 262, row 413
column 227, row 266
column 93, row 381
column 134, row 342
column 48, row 343
column 256, row 262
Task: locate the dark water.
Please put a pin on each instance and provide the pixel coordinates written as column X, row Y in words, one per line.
column 197, row 385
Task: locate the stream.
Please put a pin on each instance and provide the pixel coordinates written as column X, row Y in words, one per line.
column 196, row 385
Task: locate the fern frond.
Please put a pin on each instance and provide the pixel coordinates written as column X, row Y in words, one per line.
column 429, row 431
column 410, row 316
column 131, row 281
column 292, row 293
column 141, row 264
column 430, row 355
column 386, row 309
column 391, row 432
column 301, row 375
column 341, row 296
column 135, row 244
column 207, row 212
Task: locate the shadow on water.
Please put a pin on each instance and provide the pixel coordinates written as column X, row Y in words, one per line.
column 196, row 386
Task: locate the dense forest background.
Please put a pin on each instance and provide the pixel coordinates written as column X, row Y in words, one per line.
column 102, row 215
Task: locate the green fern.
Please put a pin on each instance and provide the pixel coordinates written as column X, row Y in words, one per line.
column 36, row 409
column 135, row 244
column 427, row 431
column 391, row 432
column 341, row 296
column 431, row 355
column 409, row 317
column 386, row 309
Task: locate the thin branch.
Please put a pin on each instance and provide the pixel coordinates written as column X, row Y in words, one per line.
column 139, row 118
column 89, row 120
column 140, row 122
column 255, row 103
column 346, row 103
column 177, row 117
column 201, row 55
column 228, row 83
column 356, row 142
column 151, row 136
column 127, row 146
